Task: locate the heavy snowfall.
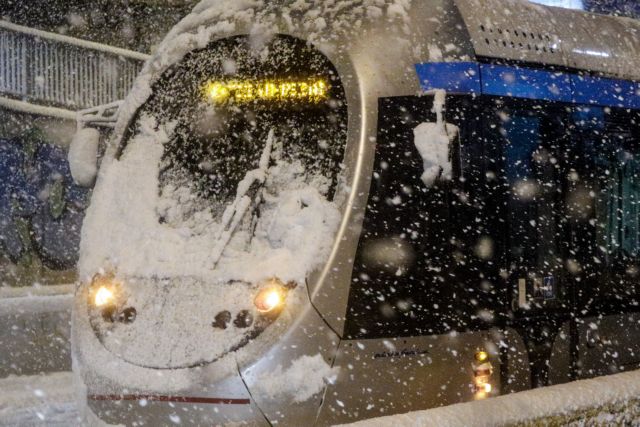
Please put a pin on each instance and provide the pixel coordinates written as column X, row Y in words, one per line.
column 319, row 212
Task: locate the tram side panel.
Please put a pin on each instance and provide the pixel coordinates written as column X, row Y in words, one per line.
column 493, row 249
column 604, row 346
column 425, row 294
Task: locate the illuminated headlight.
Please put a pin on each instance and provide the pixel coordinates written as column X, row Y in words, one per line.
column 103, row 297
column 104, row 290
column 486, row 387
column 106, row 297
column 271, row 298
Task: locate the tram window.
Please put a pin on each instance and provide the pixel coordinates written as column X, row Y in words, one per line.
column 424, row 263
column 604, row 204
column 610, row 143
column 618, row 210
column 610, row 146
column 221, row 123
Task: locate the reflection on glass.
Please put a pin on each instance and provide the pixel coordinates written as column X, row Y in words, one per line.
column 618, row 213
column 530, row 172
column 567, row 4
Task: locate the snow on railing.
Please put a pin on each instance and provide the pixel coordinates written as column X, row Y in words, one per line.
column 56, row 70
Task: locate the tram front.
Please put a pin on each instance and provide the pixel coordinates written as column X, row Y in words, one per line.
column 207, row 217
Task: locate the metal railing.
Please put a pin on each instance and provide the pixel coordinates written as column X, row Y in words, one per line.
column 56, row 70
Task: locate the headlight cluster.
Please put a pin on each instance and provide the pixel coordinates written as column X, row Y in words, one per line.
column 103, row 296
column 482, row 372
column 107, row 295
column 271, row 297
column 269, row 302
column 107, row 299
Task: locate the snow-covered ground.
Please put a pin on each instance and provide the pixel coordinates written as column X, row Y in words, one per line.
column 610, row 400
column 34, row 337
column 40, row 400
column 613, row 400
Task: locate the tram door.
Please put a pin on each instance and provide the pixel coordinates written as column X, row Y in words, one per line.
column 531, row 137
column 572, row 246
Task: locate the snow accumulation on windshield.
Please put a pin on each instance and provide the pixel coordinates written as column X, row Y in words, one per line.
column 290, row 237
column 196, row 154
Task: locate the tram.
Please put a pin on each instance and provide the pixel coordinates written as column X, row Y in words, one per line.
column 319, row 212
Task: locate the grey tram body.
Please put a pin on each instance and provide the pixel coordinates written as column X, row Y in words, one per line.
column 376, row 59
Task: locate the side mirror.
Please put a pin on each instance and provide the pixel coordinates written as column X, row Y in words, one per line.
column 83, row 151
column 83, row 156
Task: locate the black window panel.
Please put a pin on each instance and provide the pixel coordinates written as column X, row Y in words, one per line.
column 606, row 243
column 426, row 258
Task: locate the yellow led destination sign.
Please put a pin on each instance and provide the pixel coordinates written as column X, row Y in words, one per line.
column 240, row 91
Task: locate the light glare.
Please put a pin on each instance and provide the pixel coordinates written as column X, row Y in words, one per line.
column 269, row 299
column 103, row 296
column 481, row 356
column 567, row 4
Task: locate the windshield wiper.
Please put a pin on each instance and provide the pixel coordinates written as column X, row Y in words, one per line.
column 249, row 189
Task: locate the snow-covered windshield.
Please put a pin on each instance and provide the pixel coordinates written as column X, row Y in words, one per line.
column 225, row 99
column 188, row 155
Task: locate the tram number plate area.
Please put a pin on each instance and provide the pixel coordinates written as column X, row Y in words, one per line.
column 535, row 289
